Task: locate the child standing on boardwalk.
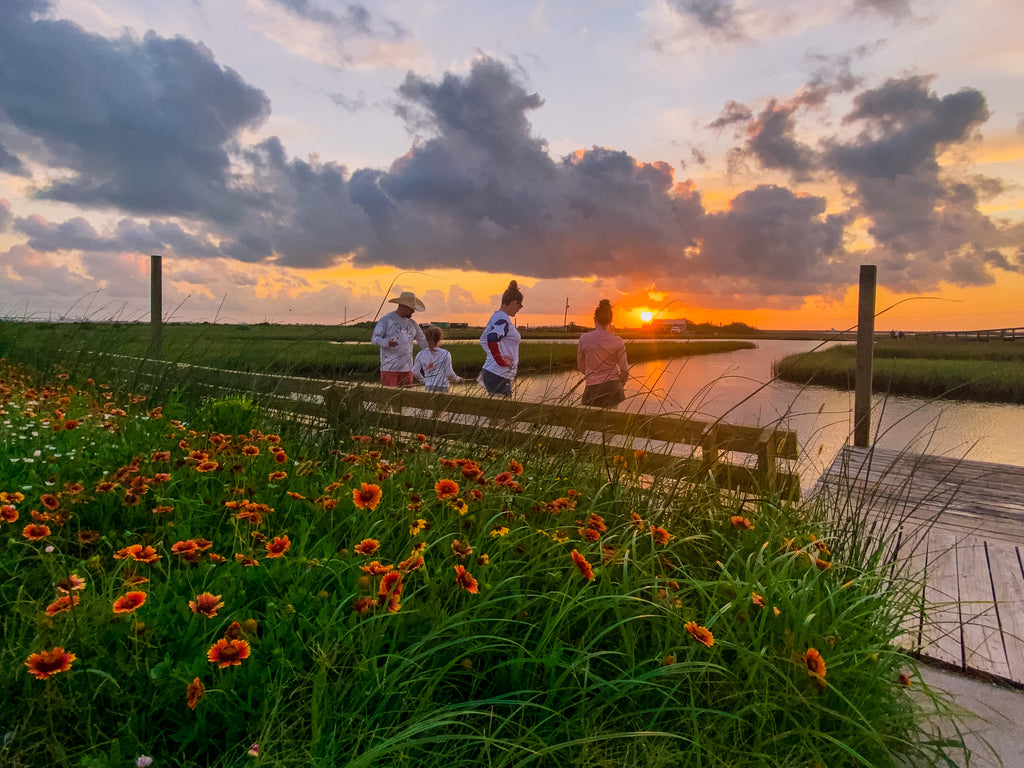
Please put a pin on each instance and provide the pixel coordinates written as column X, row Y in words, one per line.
column 433, row 366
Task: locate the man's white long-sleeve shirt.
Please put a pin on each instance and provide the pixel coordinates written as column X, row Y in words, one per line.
column 403, row 330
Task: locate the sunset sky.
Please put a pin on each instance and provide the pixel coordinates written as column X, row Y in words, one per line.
column 299, row 161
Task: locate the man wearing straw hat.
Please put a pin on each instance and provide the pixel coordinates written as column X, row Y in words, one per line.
column 394, row 334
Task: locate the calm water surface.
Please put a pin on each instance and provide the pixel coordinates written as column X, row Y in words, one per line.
column 737, row 387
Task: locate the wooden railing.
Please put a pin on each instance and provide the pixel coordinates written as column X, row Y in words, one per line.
column 989, row 334
column 745, row 458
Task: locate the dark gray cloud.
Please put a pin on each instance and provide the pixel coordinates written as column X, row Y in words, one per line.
column 142, row 125
column 772, row 141
column 353, row 20
column 715, row 16
column 6, row 217
column 733, row 115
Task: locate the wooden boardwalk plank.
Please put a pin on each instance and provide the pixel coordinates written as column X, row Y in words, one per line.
column 983, row 642
column 941, row 637
column 1008, row 585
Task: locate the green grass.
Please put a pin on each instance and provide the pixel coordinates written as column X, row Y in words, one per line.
column 540, row 666
column 330, row 352
column 967, row 370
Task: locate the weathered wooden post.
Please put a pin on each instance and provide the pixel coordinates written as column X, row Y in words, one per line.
column 865, row 356
column 155, row 306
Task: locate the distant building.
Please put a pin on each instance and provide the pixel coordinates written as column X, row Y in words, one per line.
column 670, row 325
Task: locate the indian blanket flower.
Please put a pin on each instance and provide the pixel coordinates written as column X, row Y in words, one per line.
column 815, row 664
column 461, row 549
column 228, row 652
column 45, row 663
column 366, row 496
column 701, row 634
column 194, row 693
column 661, row 536
column 367, row 547
column 36, row 531
column 206, row 604
column 412, row 563
column 49, row 501
column 138, row 553
column 273, row 477
column 465, row 580
column 8, row 514
column 757, row 600
column 446, row 489
column 277, row 546
column 582, row 564
column 390, row 593
column 62, row 604
column 738, row 521
column 129, row 601
column 73, row 583
column 377, row 568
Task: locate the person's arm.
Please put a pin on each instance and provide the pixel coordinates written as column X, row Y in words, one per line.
column 449, row 371
column 492, row 343
column 417, row 368
column 380, row 332
column 623, row 365
column 581, row 358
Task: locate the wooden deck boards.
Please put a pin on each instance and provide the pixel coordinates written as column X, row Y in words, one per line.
column 959, row 526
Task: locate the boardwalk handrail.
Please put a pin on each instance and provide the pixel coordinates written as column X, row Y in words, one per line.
column 746, row 458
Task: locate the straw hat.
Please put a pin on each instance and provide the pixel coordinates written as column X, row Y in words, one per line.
column 408, row 299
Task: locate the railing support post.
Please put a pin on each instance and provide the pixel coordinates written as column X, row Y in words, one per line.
column 865, row 355
column 155, row 306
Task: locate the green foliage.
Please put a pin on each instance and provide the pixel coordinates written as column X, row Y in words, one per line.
column 556, row 618
column 967, row 370
column 234, row 415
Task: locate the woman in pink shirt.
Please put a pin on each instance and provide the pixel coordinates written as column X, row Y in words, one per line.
column 601, row 357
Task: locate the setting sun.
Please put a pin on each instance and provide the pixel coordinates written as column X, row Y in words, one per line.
column 647, row 315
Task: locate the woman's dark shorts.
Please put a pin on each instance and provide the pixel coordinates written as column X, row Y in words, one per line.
column 607, row 394
column 495, row 384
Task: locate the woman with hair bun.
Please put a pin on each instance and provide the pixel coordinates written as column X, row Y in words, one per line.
column 601, row 357
column 500, row 341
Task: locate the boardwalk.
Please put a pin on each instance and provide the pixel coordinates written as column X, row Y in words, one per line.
column 959, row 526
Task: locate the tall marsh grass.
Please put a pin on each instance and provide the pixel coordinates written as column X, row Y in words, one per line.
column 968, row 370
column 210, row 598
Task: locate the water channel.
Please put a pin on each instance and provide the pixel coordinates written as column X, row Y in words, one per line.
column 738, row 388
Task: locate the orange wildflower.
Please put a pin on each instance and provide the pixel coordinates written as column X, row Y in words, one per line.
column 138, row 553
column 194, row 693
column 738, row 521
column 515, row 467
column 278, row 546
column 582, row 564
column 72, row 583
column 757, row 600
column 49, row 501
column 904, row 679
column 273, row 477
column 465, row 579
column 367, row 547
column 129, row 602
column 36, row 532
column 45, row 663
column 701, row 634
column 367, row 496
column 228, row 652
column 815, row 664
column 376, row 568
column 61, row 604
column 446, row 489
column 413, row 563
column 363, row 604
column 661, row 536
column 8, row 514
column 390, row 593
column 206, row 604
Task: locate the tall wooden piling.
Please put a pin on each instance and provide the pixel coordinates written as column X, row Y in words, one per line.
column 156, row 346
column 865, row 355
